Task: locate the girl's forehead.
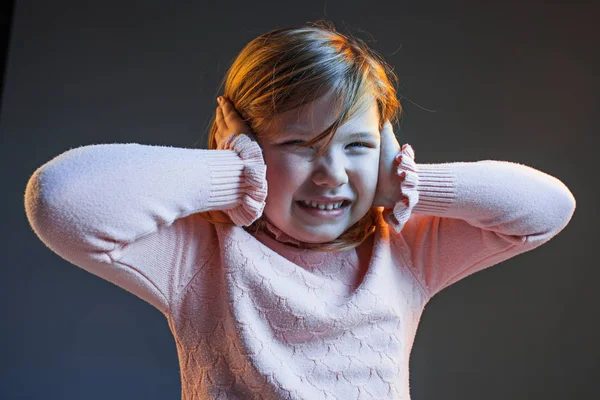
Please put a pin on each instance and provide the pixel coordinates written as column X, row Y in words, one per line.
column 318, row 118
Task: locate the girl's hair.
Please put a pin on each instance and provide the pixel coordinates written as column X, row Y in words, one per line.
column 288, row 68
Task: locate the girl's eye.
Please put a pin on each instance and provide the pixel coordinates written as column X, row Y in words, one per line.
column 291, row 142
column 354, row 144
column 361, row 144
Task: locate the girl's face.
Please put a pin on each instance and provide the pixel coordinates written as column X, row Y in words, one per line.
column 347, row 169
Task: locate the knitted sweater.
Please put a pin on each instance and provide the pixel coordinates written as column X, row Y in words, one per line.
column 253, row 315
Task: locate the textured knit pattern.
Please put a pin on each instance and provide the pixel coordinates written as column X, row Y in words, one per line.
column 254, row 317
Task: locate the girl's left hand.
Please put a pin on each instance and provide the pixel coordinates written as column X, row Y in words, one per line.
column 388, row 190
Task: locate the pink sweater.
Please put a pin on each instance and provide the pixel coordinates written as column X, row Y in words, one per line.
column 252, row 315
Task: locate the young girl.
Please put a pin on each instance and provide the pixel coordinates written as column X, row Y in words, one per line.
column 293, row 258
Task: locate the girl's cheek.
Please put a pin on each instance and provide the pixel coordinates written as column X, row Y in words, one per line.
column 285, row 169
column 291, row 162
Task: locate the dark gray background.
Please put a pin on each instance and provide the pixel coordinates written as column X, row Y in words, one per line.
column 504, row 81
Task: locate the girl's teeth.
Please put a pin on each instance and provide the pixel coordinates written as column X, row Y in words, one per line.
column 322, row 206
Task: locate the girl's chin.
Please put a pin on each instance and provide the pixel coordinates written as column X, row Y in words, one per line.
column 298, row 227
column 314, row 236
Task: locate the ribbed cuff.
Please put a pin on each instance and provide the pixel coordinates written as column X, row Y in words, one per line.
column 425, row 188
column 436, row 188
column 239, row 178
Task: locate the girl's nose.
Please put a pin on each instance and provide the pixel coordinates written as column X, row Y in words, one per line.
column 329, row 171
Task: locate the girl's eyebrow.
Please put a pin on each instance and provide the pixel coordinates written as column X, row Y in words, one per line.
column 360, row 135
column 295, row 129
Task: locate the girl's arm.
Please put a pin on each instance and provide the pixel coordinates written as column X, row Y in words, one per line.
column 471, row 215
column 125, row 212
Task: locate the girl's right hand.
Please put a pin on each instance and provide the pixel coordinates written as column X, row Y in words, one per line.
column 229, row 121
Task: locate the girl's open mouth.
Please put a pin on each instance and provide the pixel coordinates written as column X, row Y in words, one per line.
column 324, row 214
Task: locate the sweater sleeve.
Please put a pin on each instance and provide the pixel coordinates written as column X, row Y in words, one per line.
column 468, row 216
column 128, row 212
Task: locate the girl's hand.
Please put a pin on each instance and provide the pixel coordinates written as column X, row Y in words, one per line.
column 388, row 190
column 229, row 121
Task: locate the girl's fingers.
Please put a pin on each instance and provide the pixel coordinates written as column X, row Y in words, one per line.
column 232, row 119
column 227, row 109
column 230, row 115
column 219, row 118
column 389, row 143
column 387, row 127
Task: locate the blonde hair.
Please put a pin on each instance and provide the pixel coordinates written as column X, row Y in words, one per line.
column 288, row 68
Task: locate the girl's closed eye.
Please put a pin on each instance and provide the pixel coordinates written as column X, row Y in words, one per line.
column 360, row 144
column 353, row 144
column 291, row 142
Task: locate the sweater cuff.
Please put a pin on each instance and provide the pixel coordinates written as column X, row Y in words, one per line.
column 436, row 188
column 250, row 188
column 426, row 189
